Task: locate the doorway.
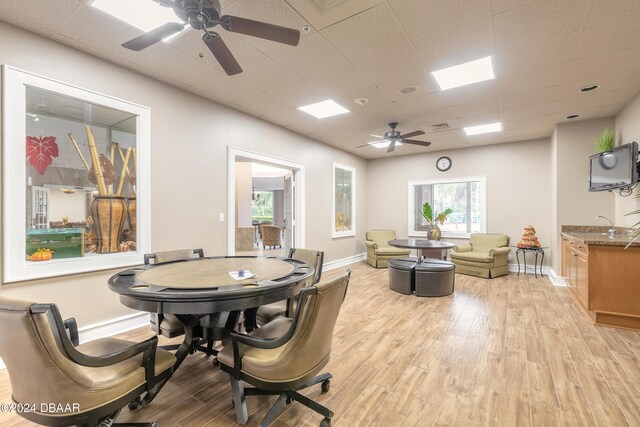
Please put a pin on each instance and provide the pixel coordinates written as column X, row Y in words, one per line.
column 265, row 204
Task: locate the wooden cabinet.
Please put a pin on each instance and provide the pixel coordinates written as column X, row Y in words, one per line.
column 604, row 280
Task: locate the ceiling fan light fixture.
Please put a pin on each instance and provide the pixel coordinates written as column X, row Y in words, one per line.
column 323, row 109
column 142, row 14
column 480, row 129
column 385, row 144
column 464, row 74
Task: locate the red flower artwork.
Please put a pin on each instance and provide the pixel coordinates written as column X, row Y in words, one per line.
column 41, row 152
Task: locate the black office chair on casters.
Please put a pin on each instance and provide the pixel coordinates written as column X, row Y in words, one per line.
column 63, row 383
column 285, row 355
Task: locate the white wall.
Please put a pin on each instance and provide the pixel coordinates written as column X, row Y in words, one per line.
column 243, row 194
column 628, row 130
column 73, row 206
column 190, row 136
column 574, row 204
column 518, row 183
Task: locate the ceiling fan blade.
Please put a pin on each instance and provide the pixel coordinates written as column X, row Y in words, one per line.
column 376, row 136
column 368, row 144
column 222, row 53
column 262, row 30
column 416, row 142
column 412, row 134
column 392, row 146
column 153, row 36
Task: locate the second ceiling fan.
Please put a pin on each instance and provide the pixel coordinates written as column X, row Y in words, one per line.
column 395, row 137
column 206, row 14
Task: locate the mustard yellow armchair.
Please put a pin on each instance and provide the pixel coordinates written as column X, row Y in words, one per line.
column 485, row 255
column 378, row 250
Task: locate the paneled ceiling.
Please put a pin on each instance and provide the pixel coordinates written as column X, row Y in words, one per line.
column 543, row 52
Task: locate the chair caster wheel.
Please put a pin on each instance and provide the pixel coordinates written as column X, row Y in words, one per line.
column 215, row 361
column 325, row 423
column 326, row 385
column 134, row 404
column 289, row 400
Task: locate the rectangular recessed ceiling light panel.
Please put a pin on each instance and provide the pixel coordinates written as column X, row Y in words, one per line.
column 142, row 14
column 323, row 109
column 464, row 74
column 488, row 128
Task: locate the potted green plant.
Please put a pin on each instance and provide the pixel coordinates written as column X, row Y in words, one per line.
column 606, row 141
column 433, row 231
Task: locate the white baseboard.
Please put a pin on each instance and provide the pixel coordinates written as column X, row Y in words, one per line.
column 108, row 328
column 546, row 270
column 332, row 265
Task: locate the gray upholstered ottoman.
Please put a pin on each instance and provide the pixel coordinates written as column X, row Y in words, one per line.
column 401, row 275
column 434, row 278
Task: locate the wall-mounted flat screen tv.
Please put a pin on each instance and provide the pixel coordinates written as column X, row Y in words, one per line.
column 613, row 169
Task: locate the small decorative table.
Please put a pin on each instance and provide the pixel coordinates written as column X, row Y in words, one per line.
column 536, row 250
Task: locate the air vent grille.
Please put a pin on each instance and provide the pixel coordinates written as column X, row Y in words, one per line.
column 439, row 126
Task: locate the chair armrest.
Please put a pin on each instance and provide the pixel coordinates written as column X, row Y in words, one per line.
column 371, row 244
column 71, row 326
column 463, row 248
column 268, row 343
column 499, row 251
column 66, row 346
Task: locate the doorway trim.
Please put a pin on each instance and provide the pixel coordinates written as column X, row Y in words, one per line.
column 299, row 193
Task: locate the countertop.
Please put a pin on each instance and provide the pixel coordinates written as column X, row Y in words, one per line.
column 597, row 235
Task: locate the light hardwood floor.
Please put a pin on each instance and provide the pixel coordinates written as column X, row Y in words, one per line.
column 512, row 351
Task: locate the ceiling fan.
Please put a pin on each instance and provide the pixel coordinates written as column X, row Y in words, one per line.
column 394, row 137
column 205, row 14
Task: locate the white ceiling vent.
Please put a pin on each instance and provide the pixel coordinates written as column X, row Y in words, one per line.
column 439, row 126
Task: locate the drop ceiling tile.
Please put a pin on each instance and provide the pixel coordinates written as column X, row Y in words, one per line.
column 366, row 34
column 475, row 108
column 594, row 99
column 222, row 88
column 473, row 92
column 380, row 115
column 532, row 79
column 416, row 105
column 557, row 50
column 393, row 70
column 175, row 67
column 609, row 82
column 588, row 70
column 340, row 80
column 324, row 13
column 105, row 34
column 522, row 123
column 265, row 74
column 600, row 40
column 538, row 21
column 373, row 94
column 613, row 13
column 529, row 97
column 457, row 46
column 500, row 6
column 428, row 117
column 534, row 110
column 424, row 18
column 276, row 12
column 312, row 56
column 190, row 42
column 297, row 94
column 37, row 16
column 481, row 118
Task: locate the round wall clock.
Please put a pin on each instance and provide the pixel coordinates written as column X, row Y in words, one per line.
column 443, row 163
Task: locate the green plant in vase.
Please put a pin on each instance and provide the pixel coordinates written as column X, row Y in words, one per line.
column 606, row 141
column 433, row 231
